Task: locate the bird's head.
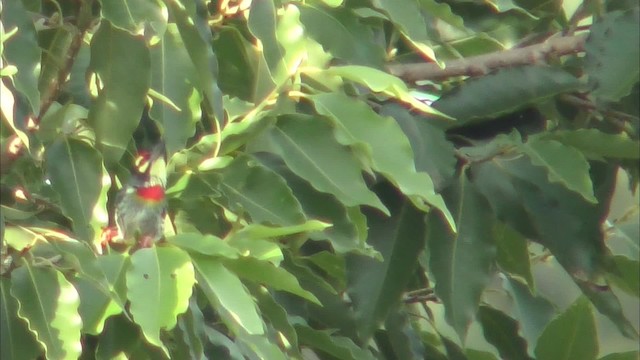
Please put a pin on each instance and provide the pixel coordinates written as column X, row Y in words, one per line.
column 149, row 175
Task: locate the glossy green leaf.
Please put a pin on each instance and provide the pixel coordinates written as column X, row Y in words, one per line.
column 357, row 125
column 95, row 306
column 75, row 171
column 191, row 325
column 572, row 335
column 461, row 262
column 333, row 170
column 612, row 65
column 173, row 75
column 122, row 339
column 159, row 285
column 399, row 239
column 338, row 347
column 122, row 63
column 512, row 89
column 262, row 193
column 260, row 347
column 266, row 274
column 596, row 144
column 563, row 164
column 49, row 303
column 340, row 32
column 629, row 355
column 22, row 50
column 146, row 16
column 60, row 120
column 501, row 331
column 204, row 244
column 226, row 293
column 17, row 342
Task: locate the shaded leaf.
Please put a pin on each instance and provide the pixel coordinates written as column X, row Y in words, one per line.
column 22, row 50
column 572, row 334
column 266, row 274
column 334, row 170
column 146, row 16
column 174, row 76
column 399, row 239
column 612, row 65
column 461, row 262
column 627, row 274
column 512, row 89
column 403, row 337
column 204, row 244
column 357, row 125
column 594, row 143
column 501, row 331
column 122, row 63
column 159, row 284
column 513, row 253
column 75, row 171
column 339, row 347
column 250, row 186
column 563, row 164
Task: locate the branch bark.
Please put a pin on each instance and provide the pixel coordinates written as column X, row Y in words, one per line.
column 483, row 64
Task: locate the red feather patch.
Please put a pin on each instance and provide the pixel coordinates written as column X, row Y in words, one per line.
column 151, row 193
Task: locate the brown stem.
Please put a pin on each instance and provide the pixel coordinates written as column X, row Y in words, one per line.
column 483, row 64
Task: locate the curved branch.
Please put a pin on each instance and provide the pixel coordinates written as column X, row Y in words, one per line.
column 483, row 64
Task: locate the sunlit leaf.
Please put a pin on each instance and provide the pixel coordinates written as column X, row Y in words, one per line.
column 17, row 341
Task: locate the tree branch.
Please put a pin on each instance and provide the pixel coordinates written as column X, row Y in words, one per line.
column 483, row 64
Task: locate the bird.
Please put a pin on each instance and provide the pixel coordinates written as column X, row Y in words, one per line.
column 140, row 206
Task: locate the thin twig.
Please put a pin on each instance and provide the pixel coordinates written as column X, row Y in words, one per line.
column 483, row 64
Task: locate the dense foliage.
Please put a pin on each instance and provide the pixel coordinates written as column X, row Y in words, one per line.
column 357, row 179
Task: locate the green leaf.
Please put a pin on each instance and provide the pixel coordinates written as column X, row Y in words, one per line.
column 627, row 275
column 563, row 164
column 406, row 15
column 173, row 75
column 629, row 355
column 461, row 262
column 572, row 335
column 55, row 44
column 612, row 65
column 191, row 325
column 49, row 303
column 512, row 89
column 306, row 144
column 342, row 233
column 533, row 312
column 276, row 315
column 382, row 82
column 226, row 293
column 204, row 244
column 95, row 306
column 22, row 50
column 433, row 153
column 266, row 274
column 196, row 35
column 159, row 285
column 122, row 63
column 17, row 342
column 403, row 336
column 513, row 253
column 357, row 125
column 501, row 331
column 20, row 238
column 595, row 144
column 122, row 339
column 137, row 16
column 260, row 347
column 262, row 193
column 399, row 239
column 339, row 347
column 75, row 171
column 340, row 32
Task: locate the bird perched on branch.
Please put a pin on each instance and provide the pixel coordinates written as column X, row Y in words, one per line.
column 140, row 205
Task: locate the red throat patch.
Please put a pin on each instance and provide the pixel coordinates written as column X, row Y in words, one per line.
column 151, row 193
